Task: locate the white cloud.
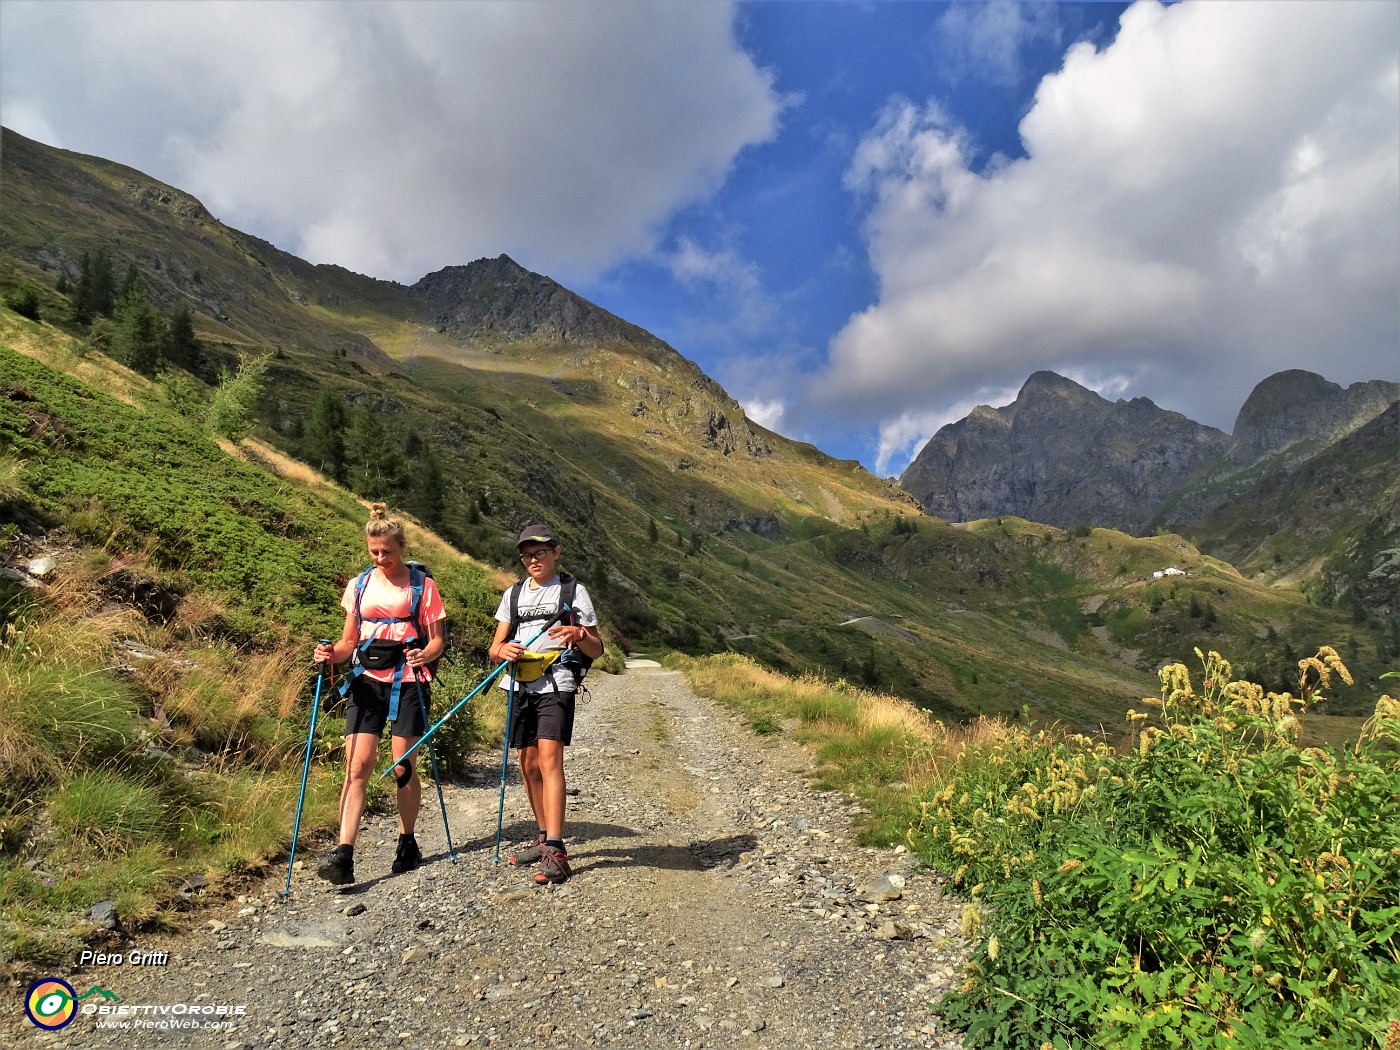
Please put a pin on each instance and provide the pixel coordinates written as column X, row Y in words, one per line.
column 766, row 413
column 743, row 306
column 985, row 41
column 395, row 138
column 1209, row 199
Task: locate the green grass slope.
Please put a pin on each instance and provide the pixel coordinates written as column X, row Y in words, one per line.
column 695, row 529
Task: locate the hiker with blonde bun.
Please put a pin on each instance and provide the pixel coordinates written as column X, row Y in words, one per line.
column 545, row 680
column 394, row 620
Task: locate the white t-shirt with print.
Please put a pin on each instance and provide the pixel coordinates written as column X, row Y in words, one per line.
column 536, row 606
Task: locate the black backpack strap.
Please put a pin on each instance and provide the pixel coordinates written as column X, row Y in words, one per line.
column 568, row 589
column 515, row 607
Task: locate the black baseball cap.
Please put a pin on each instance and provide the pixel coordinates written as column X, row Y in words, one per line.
column 537, row 533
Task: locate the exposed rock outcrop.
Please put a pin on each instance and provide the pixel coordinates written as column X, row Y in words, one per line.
column 499, row 297
column 1062, row 455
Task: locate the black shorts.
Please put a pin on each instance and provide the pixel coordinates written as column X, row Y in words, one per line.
column 542, row 716
column 368, row 709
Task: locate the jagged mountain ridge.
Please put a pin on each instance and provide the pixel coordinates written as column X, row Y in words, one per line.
column 1339, row 508
column 499, row 297
column 1295, row 407
column 1062, row 455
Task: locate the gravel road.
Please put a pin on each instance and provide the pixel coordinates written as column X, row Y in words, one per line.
column 717, row 901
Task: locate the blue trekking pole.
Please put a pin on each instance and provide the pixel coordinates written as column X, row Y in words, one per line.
column 305, row 768
column 484, row 683
column 432, row 760
column 505, row 759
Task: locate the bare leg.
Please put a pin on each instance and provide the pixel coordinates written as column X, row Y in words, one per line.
column 410, row 796
column 530, row 775
column 360, row 750
column 552, row 795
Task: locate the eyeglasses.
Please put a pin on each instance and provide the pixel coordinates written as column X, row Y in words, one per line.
column 538, row 554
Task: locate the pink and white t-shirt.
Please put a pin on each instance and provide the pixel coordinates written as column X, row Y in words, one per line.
column 382, row 599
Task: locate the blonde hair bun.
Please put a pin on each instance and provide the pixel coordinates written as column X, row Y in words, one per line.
column 380, row 525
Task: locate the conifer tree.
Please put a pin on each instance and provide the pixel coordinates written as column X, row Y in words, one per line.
column 323, row 440
column 24, row 301
column 373, row 466
column 96, row 292
column 425, row 488
column 181, row 347
column 140, row 333
column 129, row 282
column 231, row 409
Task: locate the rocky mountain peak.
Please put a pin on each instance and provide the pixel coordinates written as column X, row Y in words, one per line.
column 1060, row 454
column 499, row 297
column 1295, row 405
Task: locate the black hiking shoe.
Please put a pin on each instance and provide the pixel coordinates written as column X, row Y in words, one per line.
column 408, row 855
column 554, row 867
column 339, row 866
column 527, row 854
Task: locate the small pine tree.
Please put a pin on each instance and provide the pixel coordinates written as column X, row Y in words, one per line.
column 24, row 301
column 140, row 334
column 374, row 467
column 425, row 489
column 130, row 282
column 231, row 409
column 323, row 439
column 181, row 347
column 96, row 293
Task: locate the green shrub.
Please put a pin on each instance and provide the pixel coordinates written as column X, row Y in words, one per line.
column 24, row 301
column 766, row 725
column 1214, row 885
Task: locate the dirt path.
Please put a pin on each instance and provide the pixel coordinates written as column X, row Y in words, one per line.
column 717, row 901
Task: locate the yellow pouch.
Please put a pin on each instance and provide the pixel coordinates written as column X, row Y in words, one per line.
column 531, row 666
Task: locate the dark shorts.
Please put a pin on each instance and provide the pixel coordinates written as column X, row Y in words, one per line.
column 368, row 709
column 542, row 716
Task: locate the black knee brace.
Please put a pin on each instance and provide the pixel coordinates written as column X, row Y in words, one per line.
column 403, row 778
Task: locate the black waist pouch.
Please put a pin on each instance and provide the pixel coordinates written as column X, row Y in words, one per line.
column 380, row 655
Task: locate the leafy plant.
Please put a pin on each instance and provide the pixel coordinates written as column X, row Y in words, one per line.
column 1214, row 884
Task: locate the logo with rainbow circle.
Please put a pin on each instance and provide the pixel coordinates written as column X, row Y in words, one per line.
column 51, row 1003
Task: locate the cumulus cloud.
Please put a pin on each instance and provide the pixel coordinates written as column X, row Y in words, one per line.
column 396, row 138
column 743, row 305
column 766, row 413
column 1207, row 200
column 986, row 41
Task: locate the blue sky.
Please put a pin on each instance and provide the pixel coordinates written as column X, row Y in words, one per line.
column 862, row 219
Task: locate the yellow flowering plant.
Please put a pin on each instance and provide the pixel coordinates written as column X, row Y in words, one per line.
column 1210, row 883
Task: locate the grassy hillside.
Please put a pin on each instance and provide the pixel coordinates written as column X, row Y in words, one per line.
column 695, row 529
column 155, row 694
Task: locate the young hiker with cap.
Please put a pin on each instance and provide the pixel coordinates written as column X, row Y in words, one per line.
column 542, row 723
column 393, row 630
